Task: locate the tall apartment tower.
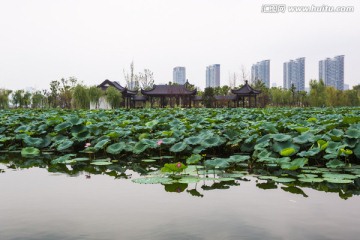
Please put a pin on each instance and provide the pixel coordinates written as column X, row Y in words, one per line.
column 294, row 74
column 261, row 71
column 179, row 75
column 331, row 71
column 213, row 75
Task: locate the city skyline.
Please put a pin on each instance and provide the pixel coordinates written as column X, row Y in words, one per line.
column 213, row 76
column 179, row 75
column 294, row 74
column 98, row 40
column 331, row 71
column 261, row 71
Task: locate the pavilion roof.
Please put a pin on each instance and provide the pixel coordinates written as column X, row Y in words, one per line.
column 245, row 90
column 168, row 90
column 107, row 83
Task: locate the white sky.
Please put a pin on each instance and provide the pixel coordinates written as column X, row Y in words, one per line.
column 94, row 40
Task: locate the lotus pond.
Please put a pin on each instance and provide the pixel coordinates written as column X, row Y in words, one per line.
column 180, row 174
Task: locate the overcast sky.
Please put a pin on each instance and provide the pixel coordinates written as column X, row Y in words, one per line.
column 94, row 40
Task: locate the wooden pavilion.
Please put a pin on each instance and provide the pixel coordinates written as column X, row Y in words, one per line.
column 128, row 95
column 244, row 92
column 170, row 95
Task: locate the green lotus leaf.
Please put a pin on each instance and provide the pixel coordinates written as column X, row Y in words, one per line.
column 353, row 133
column 337, row 180
column 339, row 175
column 301, row 129
column 351, row 119
column 62, row 159
column 280, row 137
column 168, row 141
column 193, row 140
column 150, row 143
column 217, row 163
column 22, row 129
column 193, row 159
column 336, row 134
column 30, row 152
column 152, row 123
column 232, row 175
column 335, row 163
column 100, row 163
column 214, row 141
column 334, row 147
column 357, row 150
column 295, row 164
column 140, row 147
column 312, row 119
column 101, row 144
column 143, row 135
column 198, row 149
column 322, row 144
column 238, row 158
column 75, row 120
column 307, row 175
column 279, row 146
column 80, row 159
column 62, row 126
column 173, row 167
column 310, row 153
column 311, row 180
column 287, row 152
column 116, row 148
column 148, row 160
column 304, row 138
column 284, row 180
column 65, row 144
column 33, row 142
column 178, row 147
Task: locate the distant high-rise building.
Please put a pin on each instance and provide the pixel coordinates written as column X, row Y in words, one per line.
column 213, row 75
column 294, row 74
column 261, row 71
column 179, row 75
column 331, row 71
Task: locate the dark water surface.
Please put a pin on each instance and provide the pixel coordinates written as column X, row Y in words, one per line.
column 36, row 204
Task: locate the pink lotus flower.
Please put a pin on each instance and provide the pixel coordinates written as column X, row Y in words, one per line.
column 178, row 165
column 87, row 145
column 159, row 142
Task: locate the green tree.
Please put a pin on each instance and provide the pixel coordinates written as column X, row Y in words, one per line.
column 4, row 98
column 53, row 96
column 209, row 97
column 18, row 98
column 317, row 93
column 38, row 100
column 95, row 94
column 80, row 97
column 113, row 97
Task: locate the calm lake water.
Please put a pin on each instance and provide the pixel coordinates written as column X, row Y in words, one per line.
column 36, row 204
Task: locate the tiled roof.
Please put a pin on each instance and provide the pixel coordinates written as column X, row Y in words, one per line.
column 163, row 90
column 246, row 90
column 105, row 84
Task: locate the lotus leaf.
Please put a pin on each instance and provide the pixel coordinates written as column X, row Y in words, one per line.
column 173, row 167
column 335, row 164
column 353, row 133
column 101, row 144
column 62, row 126
column 116, row 148
column 304, row 138
column 217, row 163
column 100, row 163
column 62, row 159
column 179, row 147
column 65, row 144
column 284, row 180
column 33, row 142
column 153, row 180
column 30, row 152
column 287, row 152
column 238, row 158
column 295, row 164
column 193, row 159
column 311, row 180
column 193, row 140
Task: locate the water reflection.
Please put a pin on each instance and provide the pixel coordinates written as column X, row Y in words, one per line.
column 42, row 202
column 194, row 182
